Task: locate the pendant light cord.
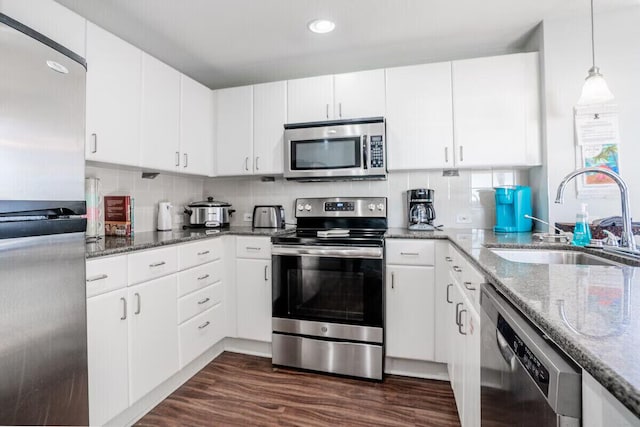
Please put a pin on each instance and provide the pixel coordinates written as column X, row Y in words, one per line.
column 593, row 40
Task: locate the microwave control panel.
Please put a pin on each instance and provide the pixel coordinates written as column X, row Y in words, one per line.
column 377, row 151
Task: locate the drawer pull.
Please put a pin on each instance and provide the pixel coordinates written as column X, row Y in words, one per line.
column 157, row 264
column 409, row 253
column 137, row 295
column 204, row 301
column 253, row 248
column 124, row 308
column 468, row 286
column 203, row 253
column 448, row 288
column 457, row 269
column 204, row 325
column 448, row 258
column 100, row 277
column 206, row 276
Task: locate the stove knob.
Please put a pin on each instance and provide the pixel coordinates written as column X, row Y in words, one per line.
column 372, row 207
column 300, row 207
column 307, row 207
column 380, row 206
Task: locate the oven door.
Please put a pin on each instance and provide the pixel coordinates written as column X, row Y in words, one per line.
column 327, row 284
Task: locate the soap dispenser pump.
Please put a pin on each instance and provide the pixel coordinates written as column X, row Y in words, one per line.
column 581, row 231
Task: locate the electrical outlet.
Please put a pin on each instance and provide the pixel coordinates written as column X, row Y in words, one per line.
column 463, row 219
column 248, row 217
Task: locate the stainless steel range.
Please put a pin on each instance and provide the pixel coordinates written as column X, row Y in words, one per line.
column 328, row 288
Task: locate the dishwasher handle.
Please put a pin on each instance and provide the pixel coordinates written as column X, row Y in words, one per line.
column 507, row 354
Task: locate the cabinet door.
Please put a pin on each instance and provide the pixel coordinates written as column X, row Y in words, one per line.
column 107, row 354
column 160, row 115
column 410, row 312
column 153, row 334
column 253, row 286
column 234, row 131
column 360, row 94
column 496, row 111
column 470, row 320
column 113, row 98
column 310, row 99
column 443, row 303
column 457, row 350
column 196, row 128
column 419, row 117
column 269, row 116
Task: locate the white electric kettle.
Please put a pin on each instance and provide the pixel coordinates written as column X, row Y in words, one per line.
column 164, row 216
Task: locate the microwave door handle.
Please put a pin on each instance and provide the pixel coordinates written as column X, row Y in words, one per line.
column 365, row 155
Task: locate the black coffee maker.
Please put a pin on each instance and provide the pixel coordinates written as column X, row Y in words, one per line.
column 420, row 209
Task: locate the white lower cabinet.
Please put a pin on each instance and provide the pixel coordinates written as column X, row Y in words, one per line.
column 253, row 287
column 200, row 333
column 153, row 334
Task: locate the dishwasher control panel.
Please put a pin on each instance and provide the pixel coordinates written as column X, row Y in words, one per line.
column 529, row 361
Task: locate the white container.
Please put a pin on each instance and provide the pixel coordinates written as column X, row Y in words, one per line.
column 164, row 216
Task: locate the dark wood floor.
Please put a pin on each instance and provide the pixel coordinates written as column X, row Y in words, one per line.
column 241, row 390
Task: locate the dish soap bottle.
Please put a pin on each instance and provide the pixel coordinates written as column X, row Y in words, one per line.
column 581, row 232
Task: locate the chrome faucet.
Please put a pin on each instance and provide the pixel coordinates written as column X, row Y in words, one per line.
column 627, row 242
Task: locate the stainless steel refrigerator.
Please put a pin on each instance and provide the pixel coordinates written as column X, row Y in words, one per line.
column 43, row 332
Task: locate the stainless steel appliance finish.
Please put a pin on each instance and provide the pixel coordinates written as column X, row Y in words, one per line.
column 328, row 288
column 208, row 213
column 268, row 216
column 525, row 380
column 336, row 150
column 420, row 209
column 43, row 335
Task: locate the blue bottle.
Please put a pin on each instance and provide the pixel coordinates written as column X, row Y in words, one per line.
column 581, row 232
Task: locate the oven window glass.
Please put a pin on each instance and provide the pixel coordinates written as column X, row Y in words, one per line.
column 338, row 153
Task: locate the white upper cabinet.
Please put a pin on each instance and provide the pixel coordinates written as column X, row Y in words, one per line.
column 113, row 98
column 342, row 96
column 160, row 115
column 360, row 94
column 233, row 112
column 269, row 117
column 419, row 117
column 496, row 111
column 196, row 128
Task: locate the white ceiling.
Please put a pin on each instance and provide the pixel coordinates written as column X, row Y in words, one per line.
column 224, row 43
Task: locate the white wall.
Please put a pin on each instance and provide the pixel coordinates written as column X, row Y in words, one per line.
column 470, row 194
column 567, row 57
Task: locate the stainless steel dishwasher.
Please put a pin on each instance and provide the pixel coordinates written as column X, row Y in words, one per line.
column 526, row 380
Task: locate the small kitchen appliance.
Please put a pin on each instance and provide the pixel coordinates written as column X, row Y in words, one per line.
column 512, row 204
column 268, row 216
column 208, row 213
column 420, row 209
column 164, row 216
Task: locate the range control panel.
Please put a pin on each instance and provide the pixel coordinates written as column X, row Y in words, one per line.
column 348, row 207
column 339, row 206
column 529, row 361
column 377, row 151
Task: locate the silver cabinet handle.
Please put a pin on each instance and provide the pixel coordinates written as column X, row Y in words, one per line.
column 327, row 111
column 468, row 286
column 393, row 279
column 186, row 160
column 409, row 253
column 340, row 109
column 204, row 325
column 204, row 301
column 257, row 158
column 448, row 288
column 203, row 253
column 100, row 277
column 138, row 306
column 206, row 276
column 449, row 259
column 457, row 269
column 446, row 154
column 94, row 136
column 124, row 308
column 458, row 305
column 266, row 271
column 461, row 154
column 460, row 325
column 252, row 248
column 157, row 264
column 177, row 158
column 246, row 163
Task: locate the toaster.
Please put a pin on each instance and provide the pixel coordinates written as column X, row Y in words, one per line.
column 268, row 216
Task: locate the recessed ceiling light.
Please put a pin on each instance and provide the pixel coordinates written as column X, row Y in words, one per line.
column 321, row 26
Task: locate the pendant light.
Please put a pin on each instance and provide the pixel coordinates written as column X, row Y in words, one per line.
column 595, row 89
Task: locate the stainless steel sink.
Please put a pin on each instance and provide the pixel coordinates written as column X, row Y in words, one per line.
column 550, row 256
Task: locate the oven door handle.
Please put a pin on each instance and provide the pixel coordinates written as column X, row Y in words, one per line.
column 328, row 251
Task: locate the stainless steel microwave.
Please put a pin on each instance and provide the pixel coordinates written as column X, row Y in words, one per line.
column 336, row 150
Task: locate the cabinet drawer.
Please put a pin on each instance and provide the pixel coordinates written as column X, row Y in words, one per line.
column 199, row 301
column 106, row 274
column 197, row 253
column 253, row 247
column 200, row 333
column 199, row 277
column 410, row 252
column 150, row 264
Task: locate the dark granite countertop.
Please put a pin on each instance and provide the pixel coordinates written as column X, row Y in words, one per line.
column 111, row 245
column 590, row 312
